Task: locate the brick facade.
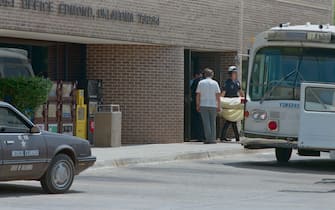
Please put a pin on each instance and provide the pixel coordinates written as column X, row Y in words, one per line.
column 148, row 83
column 260, row 15
column 199, row 24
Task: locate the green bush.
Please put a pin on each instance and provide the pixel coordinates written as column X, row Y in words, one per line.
column 26, row 94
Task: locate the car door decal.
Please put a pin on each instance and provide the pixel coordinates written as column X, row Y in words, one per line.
column 25, row 153
column 23, row 139
column 21, row 167
column 17, row 153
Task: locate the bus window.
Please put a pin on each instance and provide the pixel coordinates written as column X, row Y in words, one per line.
column 320, row 99
column 279, row 71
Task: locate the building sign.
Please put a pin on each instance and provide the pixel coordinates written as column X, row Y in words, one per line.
column 38, row 5
column 83, row 11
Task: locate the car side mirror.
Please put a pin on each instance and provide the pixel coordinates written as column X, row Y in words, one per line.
column 35, row 129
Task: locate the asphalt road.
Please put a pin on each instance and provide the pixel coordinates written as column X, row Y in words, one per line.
column 250, row 181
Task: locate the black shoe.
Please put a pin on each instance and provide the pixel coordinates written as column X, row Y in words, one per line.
column 225, row 140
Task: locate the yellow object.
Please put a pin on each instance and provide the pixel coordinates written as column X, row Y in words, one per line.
column 232, row 109
column 232, row 103
column 232, row 115
column 81, row 116
column 80, row 95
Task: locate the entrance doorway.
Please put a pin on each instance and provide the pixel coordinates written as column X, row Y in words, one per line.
column 197, row 62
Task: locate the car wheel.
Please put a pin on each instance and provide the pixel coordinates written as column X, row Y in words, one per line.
column 59, row 176
column 283, row 155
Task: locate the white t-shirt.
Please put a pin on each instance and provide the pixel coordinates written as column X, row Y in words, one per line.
column 208, row 88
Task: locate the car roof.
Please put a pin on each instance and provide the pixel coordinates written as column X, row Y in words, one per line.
column 14, row 53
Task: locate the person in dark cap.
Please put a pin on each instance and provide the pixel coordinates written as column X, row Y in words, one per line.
column 231, row 89
column 197, row 131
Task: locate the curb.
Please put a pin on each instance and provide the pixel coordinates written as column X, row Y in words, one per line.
column 205, row 155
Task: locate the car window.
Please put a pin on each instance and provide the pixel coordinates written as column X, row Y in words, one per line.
column 10, row 122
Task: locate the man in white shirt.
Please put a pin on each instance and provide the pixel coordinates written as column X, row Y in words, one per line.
column 208, row 104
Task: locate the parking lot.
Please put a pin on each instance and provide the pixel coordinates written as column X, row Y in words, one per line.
column 245, row 181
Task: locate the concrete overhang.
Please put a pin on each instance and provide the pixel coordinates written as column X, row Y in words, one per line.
column 61, row 38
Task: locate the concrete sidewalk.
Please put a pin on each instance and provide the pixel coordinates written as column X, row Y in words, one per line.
column 156, row 153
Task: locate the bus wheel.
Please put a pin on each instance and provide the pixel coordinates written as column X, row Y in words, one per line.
column 283, row 155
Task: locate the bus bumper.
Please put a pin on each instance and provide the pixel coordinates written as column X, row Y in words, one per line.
column 262, row 143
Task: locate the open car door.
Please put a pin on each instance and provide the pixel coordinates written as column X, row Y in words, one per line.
column 317, row 117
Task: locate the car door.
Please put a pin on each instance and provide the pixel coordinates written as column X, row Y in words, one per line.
column 317, row 116
column 24, row 153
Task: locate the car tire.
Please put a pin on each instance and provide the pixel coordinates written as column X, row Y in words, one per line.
column 59, row 176
column 283, row 155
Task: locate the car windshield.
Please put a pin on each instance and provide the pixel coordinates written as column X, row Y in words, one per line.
column 278, row 71
column 14, row 67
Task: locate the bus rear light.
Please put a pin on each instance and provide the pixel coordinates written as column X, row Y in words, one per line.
column 263, row 116
column 259, row 115
column 273, row 126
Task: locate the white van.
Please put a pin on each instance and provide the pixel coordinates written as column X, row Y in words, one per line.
column 14, row 63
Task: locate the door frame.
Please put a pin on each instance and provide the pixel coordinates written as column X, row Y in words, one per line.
column 315, row 128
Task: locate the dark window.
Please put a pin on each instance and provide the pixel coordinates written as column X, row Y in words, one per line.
column 10, row 122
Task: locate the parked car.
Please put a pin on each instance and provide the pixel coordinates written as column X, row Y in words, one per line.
column 14, row 63
column 30, row 154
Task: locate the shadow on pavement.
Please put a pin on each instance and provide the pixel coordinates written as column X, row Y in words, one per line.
column 314, row 166
column 308, row 166
column 116, row 179
column 8, row 190
column 306, row 191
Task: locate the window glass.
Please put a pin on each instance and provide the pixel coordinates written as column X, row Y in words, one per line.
column 11, row 60
column 10, row 122
column 14, row 67
column 15, row 70
column 278, row 71
column 320, row 99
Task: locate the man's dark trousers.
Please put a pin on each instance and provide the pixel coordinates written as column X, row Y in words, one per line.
column 225, row 128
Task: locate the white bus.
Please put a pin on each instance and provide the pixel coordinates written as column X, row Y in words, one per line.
column 291, row 91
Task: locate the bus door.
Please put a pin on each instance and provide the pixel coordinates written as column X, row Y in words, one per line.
column 317, row 117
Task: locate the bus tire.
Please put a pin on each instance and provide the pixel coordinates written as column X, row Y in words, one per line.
column 283, row 155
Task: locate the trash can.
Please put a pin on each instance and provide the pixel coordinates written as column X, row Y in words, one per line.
column 107, row 126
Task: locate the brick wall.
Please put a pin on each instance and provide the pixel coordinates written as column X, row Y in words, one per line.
column 199, row 24
column 148, row 83
column 195, row 24
column 260, row 15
